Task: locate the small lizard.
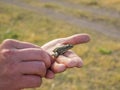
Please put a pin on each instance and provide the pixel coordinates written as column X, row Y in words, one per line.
column 61, row 50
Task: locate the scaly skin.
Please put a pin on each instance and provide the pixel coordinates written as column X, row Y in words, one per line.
column 61, row 50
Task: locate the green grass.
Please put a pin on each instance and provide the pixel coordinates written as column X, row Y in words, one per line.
column 100, row 72
column 105, row 51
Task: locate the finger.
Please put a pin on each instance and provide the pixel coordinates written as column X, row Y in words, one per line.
column 57, row 68
column 31, row 54
column 70, row 60
column 30, row 81
column 11, row 43
column 76, row 39
column 50, row 74
column 74, row 57
column 34, row 68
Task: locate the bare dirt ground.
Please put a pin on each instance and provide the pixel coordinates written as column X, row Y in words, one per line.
column 109, row 30
column 96, row 11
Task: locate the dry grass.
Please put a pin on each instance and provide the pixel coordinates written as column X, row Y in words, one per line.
column 101, row 68
column 110, row 4
column 79, row 13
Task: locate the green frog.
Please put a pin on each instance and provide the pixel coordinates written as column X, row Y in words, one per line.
column 61, row 50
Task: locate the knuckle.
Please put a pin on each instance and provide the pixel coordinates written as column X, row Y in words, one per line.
column 45, row 57
column 59, row 69
column 40, row 66
column 80, row 63
column 71, row 63
column 8, row 41
column 37, row 82
column 41, row 69
column 7, row 52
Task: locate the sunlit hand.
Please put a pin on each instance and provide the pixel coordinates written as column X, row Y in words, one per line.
column 69, row 59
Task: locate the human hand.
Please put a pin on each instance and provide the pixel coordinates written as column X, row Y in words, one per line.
column 22, row 65
column 69, row 59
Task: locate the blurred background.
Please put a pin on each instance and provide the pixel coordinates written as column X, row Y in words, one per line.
column 39, row 21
